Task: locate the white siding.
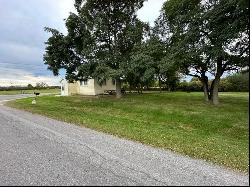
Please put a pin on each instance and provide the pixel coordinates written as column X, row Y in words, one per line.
column 88, row 89
column 100, row 89
column 64, row 88
column 73, row 88
column 92, row 87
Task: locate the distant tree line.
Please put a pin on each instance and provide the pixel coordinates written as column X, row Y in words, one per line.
column 238, row 82
column 38, row 86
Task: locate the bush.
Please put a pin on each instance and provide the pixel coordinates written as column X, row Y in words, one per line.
column 193, row 86
column 235, row 83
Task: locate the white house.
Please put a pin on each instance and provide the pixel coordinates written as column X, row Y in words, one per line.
column 88, row 87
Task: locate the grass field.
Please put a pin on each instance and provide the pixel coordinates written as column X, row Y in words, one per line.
column 14, row 92
column 179, row 121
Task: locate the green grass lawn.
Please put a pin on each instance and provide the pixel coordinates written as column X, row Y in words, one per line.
column 14, row 92
column 179, row 121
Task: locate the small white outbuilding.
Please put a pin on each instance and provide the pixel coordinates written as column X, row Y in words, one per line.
column 87, row 87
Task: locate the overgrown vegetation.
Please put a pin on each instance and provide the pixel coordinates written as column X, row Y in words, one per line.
column 177, row 121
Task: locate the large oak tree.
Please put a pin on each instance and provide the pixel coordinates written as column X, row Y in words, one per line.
column 101, row 36
column 207, row 37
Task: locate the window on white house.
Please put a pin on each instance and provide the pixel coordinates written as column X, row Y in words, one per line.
column 113, row 81
column 85, row 82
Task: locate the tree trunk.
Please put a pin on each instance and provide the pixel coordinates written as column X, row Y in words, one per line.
column 206, row 92
column 160, row 85
column 215, row 91
column 118, row 88
column 138, row 88
column 210, row 96
column 205, row 89
column 204, row 81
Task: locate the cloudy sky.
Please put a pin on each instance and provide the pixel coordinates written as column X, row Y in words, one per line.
column 22, row 36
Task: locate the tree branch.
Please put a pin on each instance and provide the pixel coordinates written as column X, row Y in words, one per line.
column 194, row 75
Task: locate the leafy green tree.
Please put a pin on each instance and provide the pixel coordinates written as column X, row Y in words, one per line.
column 140, row 71
column 40, row 85
column 30, row 86
column 101, row 36
column 169, row 73
column 207, row 37
column 156, row 49
column 238, row 82
column 149, row 62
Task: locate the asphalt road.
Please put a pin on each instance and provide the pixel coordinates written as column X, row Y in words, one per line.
column 11, row 97
column 36, row 150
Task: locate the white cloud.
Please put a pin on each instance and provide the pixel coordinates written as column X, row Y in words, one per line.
column 66, row 6
column 150, row 11
column 19, row 77
column 22, row 36
column 61, row 10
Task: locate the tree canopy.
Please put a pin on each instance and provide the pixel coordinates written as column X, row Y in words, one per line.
column 207, row 37
column 101, row 35
column 105, row 39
